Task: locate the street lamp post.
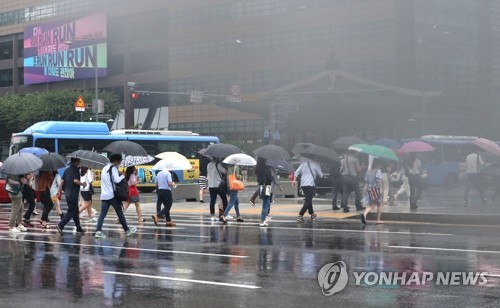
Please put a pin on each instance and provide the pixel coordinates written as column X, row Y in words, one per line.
column 96, row 94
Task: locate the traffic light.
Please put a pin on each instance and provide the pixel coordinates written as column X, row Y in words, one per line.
column 132, row 86
column 134, row 95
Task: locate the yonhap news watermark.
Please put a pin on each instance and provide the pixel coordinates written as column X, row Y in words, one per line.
column 334, row 277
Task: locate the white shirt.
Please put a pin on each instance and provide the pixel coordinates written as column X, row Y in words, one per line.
column 471, row 163
column 107, row 188
column 306, row 178
column 87, row 178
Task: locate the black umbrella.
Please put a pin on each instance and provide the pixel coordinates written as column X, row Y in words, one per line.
column 89, row 159
column 271, row 152
column 126, row 147
column 322, row 154
column 21, row 163
column 343, row 143
column 52, row 162
column 300, row 147
column 221, row 150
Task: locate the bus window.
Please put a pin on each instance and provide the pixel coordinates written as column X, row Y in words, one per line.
column 46, row 143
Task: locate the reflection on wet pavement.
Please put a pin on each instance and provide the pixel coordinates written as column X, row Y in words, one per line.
column 204, row 263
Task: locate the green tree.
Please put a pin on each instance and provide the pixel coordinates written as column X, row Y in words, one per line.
column 21, row 111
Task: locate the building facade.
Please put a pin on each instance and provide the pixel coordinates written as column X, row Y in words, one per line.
column 314, row 69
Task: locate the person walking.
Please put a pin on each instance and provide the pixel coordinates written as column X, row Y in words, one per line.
column 133, row 192
column 308, row 171
column 70, row 183
column 216, row 173
column 265, row 178
column 473, row 164
column 164, row 192
column 373, row 190
column 29, row 196
column 412, row 171
column 337, row 185
column 86, row 176
column 44, row 183
column 401, row 177
column 14, row 189
column 233, row 197
column 54, row 193
column 109, row 178
column 350, row 169
column 202, row 181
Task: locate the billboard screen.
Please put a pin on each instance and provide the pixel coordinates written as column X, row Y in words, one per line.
column 63, row 51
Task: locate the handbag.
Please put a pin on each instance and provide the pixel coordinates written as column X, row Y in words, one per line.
column 223, row 181
column 12, row 189
column 265, row 190
column 234, row 183
column 374, row 193
column 91, row 189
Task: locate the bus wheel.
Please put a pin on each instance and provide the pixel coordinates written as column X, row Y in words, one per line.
column 146, row 190
column 451, row 181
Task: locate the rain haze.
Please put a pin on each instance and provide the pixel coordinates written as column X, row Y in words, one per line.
column 365, row 134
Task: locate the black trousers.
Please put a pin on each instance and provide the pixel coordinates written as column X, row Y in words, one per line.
column 47, row 204
column 165, row 198
column 214, row 192
column 309, row 192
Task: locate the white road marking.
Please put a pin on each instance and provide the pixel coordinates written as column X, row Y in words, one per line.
column 445, row 249
column 235, row 285
column 130, row 248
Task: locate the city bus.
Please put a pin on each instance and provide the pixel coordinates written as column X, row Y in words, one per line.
column 445, row 166
column 64, row 137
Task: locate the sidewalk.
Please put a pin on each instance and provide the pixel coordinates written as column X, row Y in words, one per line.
column 436, row 206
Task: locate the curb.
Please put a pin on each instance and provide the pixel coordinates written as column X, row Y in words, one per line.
column 453, row 219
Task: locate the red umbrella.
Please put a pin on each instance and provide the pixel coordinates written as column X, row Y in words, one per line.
column 487, row 145
column 415, row 147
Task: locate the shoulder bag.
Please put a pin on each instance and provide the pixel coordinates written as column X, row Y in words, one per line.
column 120, row 188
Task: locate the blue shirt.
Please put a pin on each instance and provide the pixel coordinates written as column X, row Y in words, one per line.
column 163, row 178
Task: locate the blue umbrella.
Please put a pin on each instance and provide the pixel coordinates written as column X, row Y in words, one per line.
column 34, row 150
column 387, row 142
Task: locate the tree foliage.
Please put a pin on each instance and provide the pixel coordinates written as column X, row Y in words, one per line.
column 21, row 111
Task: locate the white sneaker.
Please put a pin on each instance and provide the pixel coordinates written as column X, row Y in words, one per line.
column 264, row 224
column 213, row 218
column 14, row 230
column 130, row 231
column 22, row 228
column 99, row 234
column 269, row 218
column 92, row 219
column 229, row 217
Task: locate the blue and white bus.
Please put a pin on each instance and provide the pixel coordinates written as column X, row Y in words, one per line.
column 445, row 165
column 65, row 137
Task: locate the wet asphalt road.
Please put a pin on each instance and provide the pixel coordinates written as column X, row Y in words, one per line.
column 201, row 263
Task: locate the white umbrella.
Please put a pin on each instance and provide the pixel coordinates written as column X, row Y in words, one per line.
column 172, row 161
column 240, row 159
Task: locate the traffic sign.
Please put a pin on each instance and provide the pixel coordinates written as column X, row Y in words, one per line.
column 80, row 104
column 235, row 90
column 196, row 97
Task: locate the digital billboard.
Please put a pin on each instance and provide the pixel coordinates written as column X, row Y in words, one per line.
column 68, row 50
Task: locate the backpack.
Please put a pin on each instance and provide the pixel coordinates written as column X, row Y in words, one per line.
column 120, row 188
